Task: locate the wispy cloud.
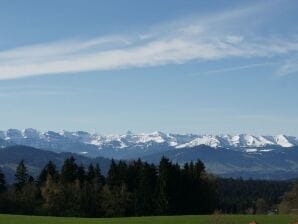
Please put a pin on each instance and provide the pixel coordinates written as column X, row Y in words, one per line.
column 289, row 67
column 207, row 38
column 241, row 67
column 48, row 90
column 35, row 90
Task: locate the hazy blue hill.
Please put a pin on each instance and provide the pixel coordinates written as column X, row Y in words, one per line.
column 276, row 164
column 35, row 159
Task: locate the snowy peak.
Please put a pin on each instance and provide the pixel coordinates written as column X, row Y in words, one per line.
column 243, row 141
column 284, row 141
column 65, row 139
column 212, row 141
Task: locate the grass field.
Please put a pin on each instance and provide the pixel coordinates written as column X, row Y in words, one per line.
column 218, row 219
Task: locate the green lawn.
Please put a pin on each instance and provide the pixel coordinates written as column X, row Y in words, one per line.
column 218, row 219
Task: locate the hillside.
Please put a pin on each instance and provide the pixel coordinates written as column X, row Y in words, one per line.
column 36, row 159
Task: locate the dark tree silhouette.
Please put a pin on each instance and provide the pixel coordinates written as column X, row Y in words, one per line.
column 21, row 176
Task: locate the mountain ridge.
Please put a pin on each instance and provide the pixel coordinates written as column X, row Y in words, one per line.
column 98, row 142
column 36, row 159
column 241, row 155
column 224, row 163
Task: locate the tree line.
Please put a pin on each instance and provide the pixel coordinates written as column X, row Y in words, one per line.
column 130, row 189
column 137, row 188
column 238, row 196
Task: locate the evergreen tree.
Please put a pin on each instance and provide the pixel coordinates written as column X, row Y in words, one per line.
column 90, row 203
column 117, row 174
column 145, row 201
column 289, row 201
column 48, row 170
column 69, row 171
column 139, row 188
column 116, row 201
column 199, row 168
column 99, row 178
column 90, row 173
column 81, row 174
column 27, row 199
column 21, row 176
column 2, row 182
column 163, row 189
column 133, row 174
column 73, row 199
column 54, row 197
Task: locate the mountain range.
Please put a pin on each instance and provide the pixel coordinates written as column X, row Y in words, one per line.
column 97, row 145
column 244, row 155
column 36, row 159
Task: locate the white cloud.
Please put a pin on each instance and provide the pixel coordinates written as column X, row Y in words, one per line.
column 289, row 67
column 241, row 67
column 207, row 38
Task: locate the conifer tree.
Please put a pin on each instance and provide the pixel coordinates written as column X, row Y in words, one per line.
column 99, row 178
column 81, row 174
column 113, row 178
column 54, row 197
column 163, row 191
column 69, row 171
column 21, row 176
column 90, row 173
column 145, row 202
column 48, row 170
column 2, row 182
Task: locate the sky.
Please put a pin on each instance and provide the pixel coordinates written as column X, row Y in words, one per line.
column 206, row 67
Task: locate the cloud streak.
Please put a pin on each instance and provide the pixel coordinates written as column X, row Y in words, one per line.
column 241, row 67
column 288, row 68
column 176, row 43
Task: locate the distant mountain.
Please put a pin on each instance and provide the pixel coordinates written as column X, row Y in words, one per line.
column 275, row 164
column 131, row 145
column 36, row 159
column 242, row 155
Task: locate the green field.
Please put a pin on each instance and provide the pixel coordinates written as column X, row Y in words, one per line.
column 217, row 219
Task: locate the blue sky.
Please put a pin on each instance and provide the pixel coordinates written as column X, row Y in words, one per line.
column 206, row 67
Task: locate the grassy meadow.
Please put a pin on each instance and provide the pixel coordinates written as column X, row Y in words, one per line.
column 199, row 219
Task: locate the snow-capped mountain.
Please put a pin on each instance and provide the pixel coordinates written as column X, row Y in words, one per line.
column 138, row 144
column 242, row 155
column 242, row 141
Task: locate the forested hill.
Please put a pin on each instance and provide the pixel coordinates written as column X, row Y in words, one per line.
column 36, row 159
column 247, row 156
column 275, row 165
column 137, row 188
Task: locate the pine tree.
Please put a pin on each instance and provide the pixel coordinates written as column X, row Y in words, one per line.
column 21, row 176
column 163, row 189
column 99, row 178
column 199, row 168
column 81, row 174
column 90, row 173
column 54, row 197
column 27, row 199
column 89, row 200
column 145, row 202
column 69, row 171
column 2, row 182
column 116, row 201
column 115, row 177
column 48, row 170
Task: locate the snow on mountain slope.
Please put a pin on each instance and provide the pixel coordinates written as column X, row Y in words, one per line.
column 283, row 141
column 66, row 140
column 212, row 141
